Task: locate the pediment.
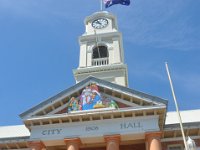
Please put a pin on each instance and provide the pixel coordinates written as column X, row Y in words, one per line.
column 93, row 95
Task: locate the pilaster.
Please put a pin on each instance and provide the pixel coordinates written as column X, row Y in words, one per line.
column 112, row 142
column 72, row 143
column 153, row 140
column 36, row 145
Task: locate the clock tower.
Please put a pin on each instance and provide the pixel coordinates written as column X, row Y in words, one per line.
column 101, row 50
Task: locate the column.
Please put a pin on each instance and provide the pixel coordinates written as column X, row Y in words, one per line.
column 153, row 141
column 112, row 142
column 36, row 145
column 72, row 143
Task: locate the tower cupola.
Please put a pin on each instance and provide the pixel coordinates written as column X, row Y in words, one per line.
column 101, row 50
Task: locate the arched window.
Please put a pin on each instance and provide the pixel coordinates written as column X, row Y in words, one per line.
column 100, row 52
column 100, row 56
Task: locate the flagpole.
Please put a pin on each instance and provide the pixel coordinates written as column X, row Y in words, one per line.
column 101, row 5
column 177, row 109
column 97, row 43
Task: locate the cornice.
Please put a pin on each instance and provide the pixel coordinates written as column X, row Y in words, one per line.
column 100, row 68
column 99, row 14
column 88, row 37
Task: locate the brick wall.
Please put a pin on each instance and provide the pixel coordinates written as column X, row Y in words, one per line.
column 122, row 147
column 165, row 144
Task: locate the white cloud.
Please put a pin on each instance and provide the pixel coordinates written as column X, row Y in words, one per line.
column 148, row 71
column 19, row 7
column 184, row 80
column 190, row 82
column 38, row 9
column 162, row 24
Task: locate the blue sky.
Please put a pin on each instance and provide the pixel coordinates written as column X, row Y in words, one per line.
column 39, row 48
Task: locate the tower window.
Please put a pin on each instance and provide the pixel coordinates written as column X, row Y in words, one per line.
column 100, row 52
column 100, row 56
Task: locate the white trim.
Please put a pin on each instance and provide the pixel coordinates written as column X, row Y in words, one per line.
column 122, row 101
column 177, row 139
column 16, row 131
column 174, row 145
column 55, row 116
column 122, row 126
column 187, row 116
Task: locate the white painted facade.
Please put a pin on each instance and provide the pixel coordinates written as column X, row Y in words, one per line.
column 14, row 131
column 187, row 116
column 137, row 115
column 111, row 68
column 126, row 127
column 171, row 118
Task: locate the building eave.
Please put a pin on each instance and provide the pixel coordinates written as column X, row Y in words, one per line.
column 108, row 85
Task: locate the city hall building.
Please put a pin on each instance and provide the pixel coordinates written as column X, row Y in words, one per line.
column 100, row 112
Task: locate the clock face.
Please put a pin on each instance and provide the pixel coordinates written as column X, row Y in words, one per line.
column 100, row 23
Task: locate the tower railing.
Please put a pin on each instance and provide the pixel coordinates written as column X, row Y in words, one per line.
column 100, row 61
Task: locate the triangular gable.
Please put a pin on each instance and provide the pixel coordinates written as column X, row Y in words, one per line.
column 108, row 96
column 100, row 101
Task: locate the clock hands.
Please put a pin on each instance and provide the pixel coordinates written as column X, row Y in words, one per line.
column 100, row 23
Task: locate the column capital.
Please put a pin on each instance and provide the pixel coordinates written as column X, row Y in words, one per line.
column 112, row 141
column 151, row 135
column 116, row 138
column 153, row 140
column 72, row 143
column 72, row 140
column 36, row 145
